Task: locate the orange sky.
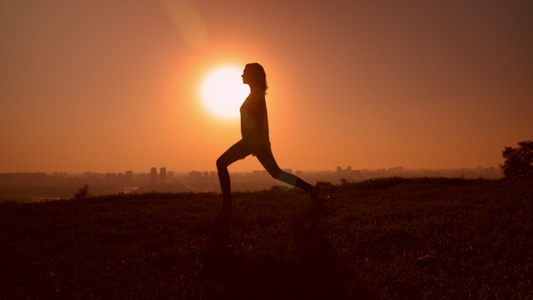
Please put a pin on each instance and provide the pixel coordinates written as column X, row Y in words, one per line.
column 113, row 86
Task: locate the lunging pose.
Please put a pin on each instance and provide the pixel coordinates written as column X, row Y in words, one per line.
column 255, row 139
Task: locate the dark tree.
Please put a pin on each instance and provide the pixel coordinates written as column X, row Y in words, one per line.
column 518, row 162
column 82, row 193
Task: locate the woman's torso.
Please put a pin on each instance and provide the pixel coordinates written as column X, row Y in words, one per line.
column 254, row 120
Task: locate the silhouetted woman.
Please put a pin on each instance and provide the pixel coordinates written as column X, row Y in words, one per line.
column 255, row 139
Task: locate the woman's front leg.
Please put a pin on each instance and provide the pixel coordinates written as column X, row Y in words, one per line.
column 234, row 153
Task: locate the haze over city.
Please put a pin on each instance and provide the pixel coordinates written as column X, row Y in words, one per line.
column 113, row 86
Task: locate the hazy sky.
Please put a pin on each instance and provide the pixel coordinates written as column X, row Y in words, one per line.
column 110, row 86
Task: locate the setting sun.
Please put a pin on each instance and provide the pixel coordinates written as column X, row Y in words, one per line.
column 223, row 92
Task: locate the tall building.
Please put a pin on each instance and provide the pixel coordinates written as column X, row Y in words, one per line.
column 163, row 175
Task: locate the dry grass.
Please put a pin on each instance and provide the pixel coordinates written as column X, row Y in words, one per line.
column 389, row 238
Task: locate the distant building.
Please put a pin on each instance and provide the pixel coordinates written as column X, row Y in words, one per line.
column 129, row 176
column 396, row 170
column 340, row 170
column 163, row 175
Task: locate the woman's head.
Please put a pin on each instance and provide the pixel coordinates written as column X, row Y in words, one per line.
column 255, row 76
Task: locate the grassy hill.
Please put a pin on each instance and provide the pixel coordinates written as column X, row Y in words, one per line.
column 391, row 238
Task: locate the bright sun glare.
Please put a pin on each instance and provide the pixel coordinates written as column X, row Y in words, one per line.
column 223, row 92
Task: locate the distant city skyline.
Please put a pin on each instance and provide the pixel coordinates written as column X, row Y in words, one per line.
column 28, row 187
column 163, row 174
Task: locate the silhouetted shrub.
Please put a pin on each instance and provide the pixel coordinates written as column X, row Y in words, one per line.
column 518, row 162
column 82, row 192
